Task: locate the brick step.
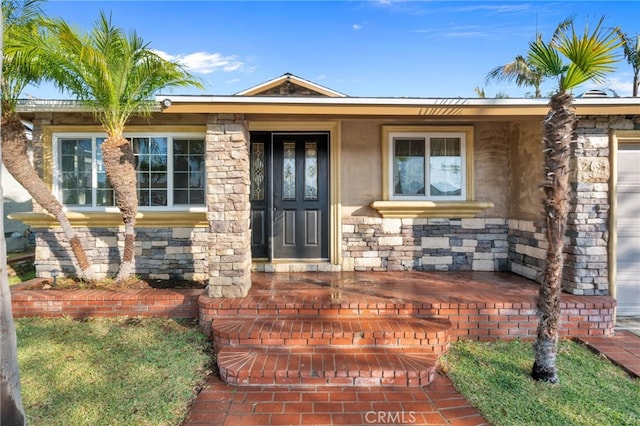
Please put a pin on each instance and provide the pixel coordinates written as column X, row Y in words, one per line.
column 430, row 336
column 314, row 303
column 326, row 366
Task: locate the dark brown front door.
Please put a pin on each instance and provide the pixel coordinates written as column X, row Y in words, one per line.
column 291, row 220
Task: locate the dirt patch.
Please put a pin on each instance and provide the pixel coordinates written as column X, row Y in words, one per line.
column 133, row 283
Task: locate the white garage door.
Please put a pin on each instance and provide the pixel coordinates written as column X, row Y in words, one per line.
column 628, row 230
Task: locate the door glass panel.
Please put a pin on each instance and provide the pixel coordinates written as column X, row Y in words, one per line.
column 257, row 171
column 289, row 171
column 310, row 171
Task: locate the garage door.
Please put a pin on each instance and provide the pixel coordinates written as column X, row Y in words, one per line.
column 628, row 230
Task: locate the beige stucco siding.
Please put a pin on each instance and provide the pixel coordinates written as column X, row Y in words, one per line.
column 492, row 167
column 361, row 167
column 526, row 158
column 507, row 160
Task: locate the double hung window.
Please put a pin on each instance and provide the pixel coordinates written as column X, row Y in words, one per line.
column 170, row 170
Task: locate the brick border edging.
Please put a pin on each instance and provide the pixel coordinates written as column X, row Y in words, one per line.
column 163, row 303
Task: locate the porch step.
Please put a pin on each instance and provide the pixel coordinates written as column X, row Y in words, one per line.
column 341, row 366
column 432, row 337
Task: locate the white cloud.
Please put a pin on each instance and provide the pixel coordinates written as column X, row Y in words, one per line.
column 620, row 84
column 463, row 34
column 519, row 8
column 356, row 27
column 204, row 62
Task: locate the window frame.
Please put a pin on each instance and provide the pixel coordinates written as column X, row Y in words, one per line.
column 465, row 133
column 56, row 159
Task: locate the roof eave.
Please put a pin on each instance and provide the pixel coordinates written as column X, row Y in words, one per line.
column 391, row 106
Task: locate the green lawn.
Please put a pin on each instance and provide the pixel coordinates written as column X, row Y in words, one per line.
column 24, row 271
column 495, row 378
column 146, row 372
column 110, row 371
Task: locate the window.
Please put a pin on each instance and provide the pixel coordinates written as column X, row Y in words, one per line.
column 426, row 165
column 170, row 171
column 427, row 172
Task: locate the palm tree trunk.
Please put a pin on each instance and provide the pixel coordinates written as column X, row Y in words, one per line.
column 11, row 410
column 636, row 85
column 16, row 160
column 119, row 164
column 558, row 132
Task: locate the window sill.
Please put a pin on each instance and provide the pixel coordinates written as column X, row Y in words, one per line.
column 430, row 209
column 166, row 219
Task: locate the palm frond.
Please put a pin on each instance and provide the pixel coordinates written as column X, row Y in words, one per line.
column 113, row 72
column 591, row 54
column 20, row 19
column 545, row 58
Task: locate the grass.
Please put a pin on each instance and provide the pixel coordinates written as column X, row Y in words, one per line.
column 22, row 277
column 24, row 270
column 110, row 371
column 494, row 377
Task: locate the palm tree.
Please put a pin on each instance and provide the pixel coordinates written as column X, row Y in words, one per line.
column 631, row 50
column 589, row 56
column 116, row 75
column 11, row 409
column 20, row 18
column 520, row 70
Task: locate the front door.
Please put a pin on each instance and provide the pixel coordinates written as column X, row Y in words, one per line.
column 290, row 196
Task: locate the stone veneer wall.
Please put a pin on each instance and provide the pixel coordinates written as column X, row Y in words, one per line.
column 227, row 165
column 160, row 253
column 527, row 248
column 377, row 244
column 586, row 253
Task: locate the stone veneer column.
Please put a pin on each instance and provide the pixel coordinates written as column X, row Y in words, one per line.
column 228, row 206
column 586, row 264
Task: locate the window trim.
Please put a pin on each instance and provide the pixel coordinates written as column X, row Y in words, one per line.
column 441, row 207
column 388, row 132
column 56, row 186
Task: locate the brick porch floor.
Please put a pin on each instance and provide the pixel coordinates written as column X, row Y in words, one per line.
column 361, row 348
column 479, row 305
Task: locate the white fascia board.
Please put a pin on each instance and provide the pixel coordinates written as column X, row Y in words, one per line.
column 388, row 101
column 348, row 101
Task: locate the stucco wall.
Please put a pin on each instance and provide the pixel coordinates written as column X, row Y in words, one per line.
column 506, row 159
column 492, row 167
column 361, row 167
column 525, row 157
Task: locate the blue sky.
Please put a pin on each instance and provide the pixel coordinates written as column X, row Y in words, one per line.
column 383, row 48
